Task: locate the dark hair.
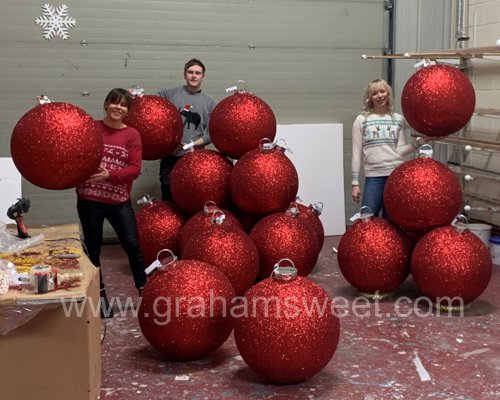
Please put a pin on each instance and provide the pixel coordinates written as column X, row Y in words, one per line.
column 117, row 95
column 194, row 61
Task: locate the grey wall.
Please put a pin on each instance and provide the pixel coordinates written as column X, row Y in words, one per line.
column 301, row 57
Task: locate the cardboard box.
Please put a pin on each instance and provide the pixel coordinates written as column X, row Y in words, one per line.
column 56, row 355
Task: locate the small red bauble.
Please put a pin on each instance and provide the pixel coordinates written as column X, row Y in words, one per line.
column 421, row 195
column 230, row 250
column 159, row 225
column 200, row 176
column 264, row 181
column 204, row 219
column 282, row 335
column 310, row 215
column 56, row 146
column 184, row 312
column 239, row 122
column 158, row 122
column 438, row 100
column 374, row 255
column 280, row 236
column 447, row 264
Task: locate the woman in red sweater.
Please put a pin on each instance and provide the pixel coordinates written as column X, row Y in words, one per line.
column 106, row 194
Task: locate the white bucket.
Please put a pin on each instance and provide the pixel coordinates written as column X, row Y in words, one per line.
column 495, row 249
column 482, row 231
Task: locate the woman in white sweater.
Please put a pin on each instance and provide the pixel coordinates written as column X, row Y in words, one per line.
column 379, row 139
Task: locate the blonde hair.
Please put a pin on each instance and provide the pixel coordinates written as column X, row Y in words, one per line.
column 367, row 100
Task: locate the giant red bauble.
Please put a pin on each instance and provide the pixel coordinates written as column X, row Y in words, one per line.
column 199, row 176
column 280, row 236
column 438, row 100
column 229, row 249
column 159, row 225
column 56, row 146
column 185, row 310
column 421, row 195
column 159, row 123
column 263, row 182
column 239, row 122
column 282, row 335
column 449, row 265
column 374, row 256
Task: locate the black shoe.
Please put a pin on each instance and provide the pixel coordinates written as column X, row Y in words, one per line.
column 106, row 309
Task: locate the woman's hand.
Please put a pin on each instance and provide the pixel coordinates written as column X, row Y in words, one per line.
column 356, row 193
column 102, row 174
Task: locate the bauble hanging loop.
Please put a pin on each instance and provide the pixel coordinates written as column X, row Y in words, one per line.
column 146, row 200
column 283, row 272
column 266, row 145
column 161, row 264
column 425, row 151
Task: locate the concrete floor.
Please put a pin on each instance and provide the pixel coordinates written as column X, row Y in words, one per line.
column 381, row 356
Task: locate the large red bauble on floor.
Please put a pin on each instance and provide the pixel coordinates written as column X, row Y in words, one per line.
column 280, row 236
column 230, row 250
column 184, row 312
column 160, row 124
column 447, row 263
column 201, row 176
column 159, row 225
column 310, row 215
column 264, row 182
column 374, row 256
column 438, row 100
column 56, row 146
column 282, row 336
column 421, row 195
column 204, row 219
column 239, row 122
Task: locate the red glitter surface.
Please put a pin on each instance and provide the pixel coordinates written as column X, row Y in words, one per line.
column 438, row 100
column 56, row 146
column 239, row 122
column 280, row 236
column 263, row 182
column 374, row 255
column 282, row 336
column 310, row 216
column 421, row 195
column 449, row 263
column 159, row 123
column 184, row 310
column 159, row 225
column 200, row 176
column 230, row 250
column 202, row 220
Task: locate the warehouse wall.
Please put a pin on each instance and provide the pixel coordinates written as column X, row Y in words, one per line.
column 484, row 30
column 301, row 57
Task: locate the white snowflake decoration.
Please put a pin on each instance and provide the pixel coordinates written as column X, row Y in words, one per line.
column 55, row 21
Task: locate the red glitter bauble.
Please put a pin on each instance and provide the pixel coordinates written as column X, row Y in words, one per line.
column 158, row 122
column 200, row 176
column 159, row 225
column 438, row 100
column 239, row 122
column 374, row 255
column 230, row 250
column 264, row 182
column 447, row 263
column 310, row 215
column 56, row 146
column 421, row 195
column 282, row 335
column 280, row 236
column 202, row 220
column 184, row 312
